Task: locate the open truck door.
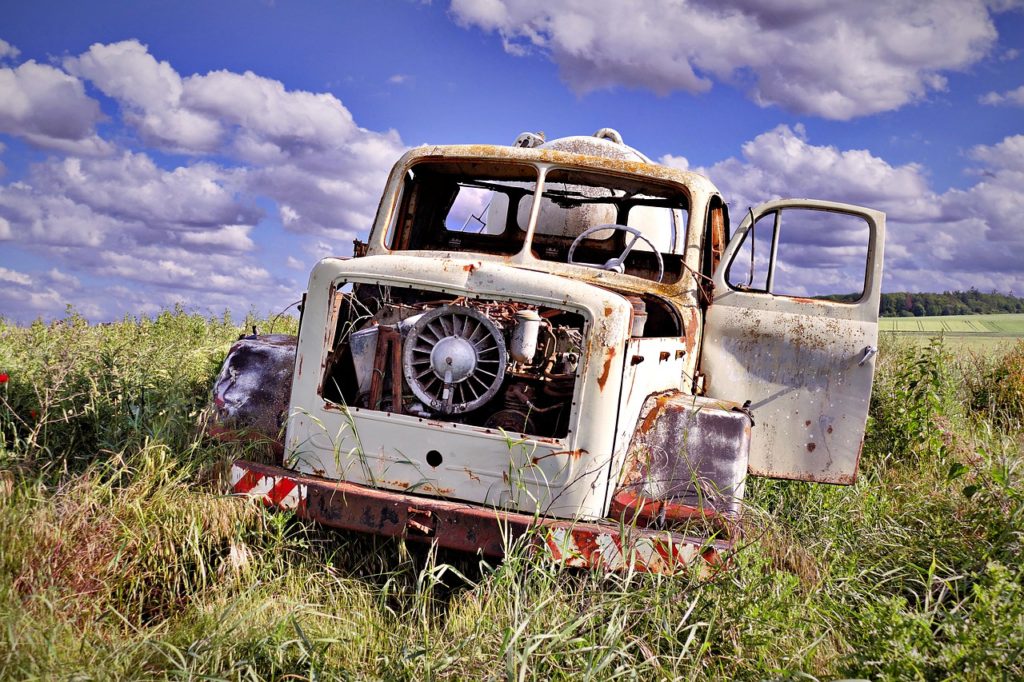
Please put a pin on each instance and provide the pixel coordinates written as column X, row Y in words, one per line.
column 792, row 331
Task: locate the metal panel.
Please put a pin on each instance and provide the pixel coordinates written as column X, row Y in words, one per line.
column 653, row 365
column 805, row 366
column 688, row 459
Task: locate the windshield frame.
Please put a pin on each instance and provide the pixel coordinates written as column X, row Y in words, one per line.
column 696, row 188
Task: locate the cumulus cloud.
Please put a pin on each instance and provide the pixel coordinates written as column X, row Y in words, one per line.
column 128, row 220
column 14, row 277
column 783, row 163
column 8, row 51
column 677, row 162
column 1013, row 97
column 935, row 241
column 1008, row 155
column 836, row 60
column 145, row 235
column 992, row 208
column 49, row 108
column 302, row 149
column 62, row 278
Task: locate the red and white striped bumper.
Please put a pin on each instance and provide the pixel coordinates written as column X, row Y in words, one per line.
column 281, row 491
column 473, row 528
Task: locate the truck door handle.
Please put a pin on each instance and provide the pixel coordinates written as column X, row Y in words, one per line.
column 869, row 351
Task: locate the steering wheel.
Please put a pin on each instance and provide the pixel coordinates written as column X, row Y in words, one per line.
column 617, row 264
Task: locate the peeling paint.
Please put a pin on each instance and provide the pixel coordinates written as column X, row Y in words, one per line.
column 601, row 380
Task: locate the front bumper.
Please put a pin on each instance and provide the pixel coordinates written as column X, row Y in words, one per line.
column 473, row 528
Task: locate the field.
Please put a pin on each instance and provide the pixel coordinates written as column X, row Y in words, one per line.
column 121, row 556
column 984, row 333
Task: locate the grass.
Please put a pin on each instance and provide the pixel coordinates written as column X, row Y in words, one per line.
column 1007, row 324
column 988, row 334
column 121, row 556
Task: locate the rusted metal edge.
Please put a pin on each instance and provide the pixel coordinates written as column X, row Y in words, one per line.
column 629, row 506
column 472, row 528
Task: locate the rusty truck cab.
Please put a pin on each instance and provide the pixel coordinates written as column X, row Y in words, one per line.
column 562, row 336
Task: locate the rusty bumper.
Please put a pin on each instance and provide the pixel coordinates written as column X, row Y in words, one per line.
column 473, row 528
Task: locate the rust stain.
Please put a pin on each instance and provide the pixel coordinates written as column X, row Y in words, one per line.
column 574, row 454
column 470, row 267
column 626, row 503
column 811, row 447
column 828, row 430
column 690, row 332
column 807, row 423
column 470, row 473
column 440, row 491
column 298, row 370
column 652, row 416
column 603, row 379
column 608, row 310
column 682, row 178
column 398, row 484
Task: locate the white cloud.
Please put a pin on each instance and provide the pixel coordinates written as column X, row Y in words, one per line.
column 295, row 264
column 131, row 187
column 303, row 149
column 14, row 277
column 1014, row 97
column 935, row 242
column 50, row 109
column 993, row 207
column 398, row 79
column 782, row 163
column 228, row 237
column 8, row 51
column 150, row 92
column 62, row 278
column 142, row 236
column 677, row 162
column 836, row 60
column 165, row 235
column 1007, row 155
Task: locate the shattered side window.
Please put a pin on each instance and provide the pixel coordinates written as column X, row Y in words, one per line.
column 464, row 206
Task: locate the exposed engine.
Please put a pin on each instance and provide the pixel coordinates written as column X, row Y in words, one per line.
column 497, row 364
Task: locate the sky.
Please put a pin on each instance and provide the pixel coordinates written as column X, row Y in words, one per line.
column 207, row 154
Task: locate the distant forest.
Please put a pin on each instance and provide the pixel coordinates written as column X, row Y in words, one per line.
column 970, row 302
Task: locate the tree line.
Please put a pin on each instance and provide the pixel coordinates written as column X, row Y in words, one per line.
column 970, row 302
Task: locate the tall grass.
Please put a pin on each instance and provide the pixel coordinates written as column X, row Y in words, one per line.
column 121, row 556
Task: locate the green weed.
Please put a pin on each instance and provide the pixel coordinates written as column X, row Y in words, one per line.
column 121, row 556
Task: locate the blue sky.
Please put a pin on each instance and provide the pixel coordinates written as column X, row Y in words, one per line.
column 208, row 153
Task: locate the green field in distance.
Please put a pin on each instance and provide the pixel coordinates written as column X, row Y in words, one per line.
column 978, row 332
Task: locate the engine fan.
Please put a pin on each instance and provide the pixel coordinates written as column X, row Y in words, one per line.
column 454, row 359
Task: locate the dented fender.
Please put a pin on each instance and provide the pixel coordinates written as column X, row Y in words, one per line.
column 687, row 460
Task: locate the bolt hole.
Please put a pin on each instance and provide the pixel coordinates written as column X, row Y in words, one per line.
column 434, row 458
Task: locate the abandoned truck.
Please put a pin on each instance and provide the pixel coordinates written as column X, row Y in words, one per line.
column 560, row 340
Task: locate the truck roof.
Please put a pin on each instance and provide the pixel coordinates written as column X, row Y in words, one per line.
column 694, row 182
